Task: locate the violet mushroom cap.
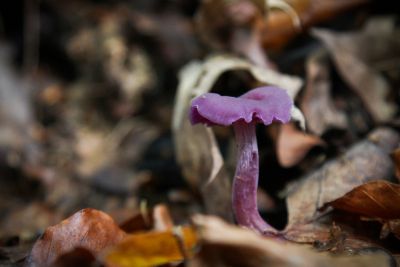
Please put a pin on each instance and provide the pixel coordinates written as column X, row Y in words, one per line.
column 260, row 105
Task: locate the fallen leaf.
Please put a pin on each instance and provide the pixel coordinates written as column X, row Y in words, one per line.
column 293, row 144
column 376, row 199
column 90, row 229
column 316, row 103
column 153, row 248
column 355, row 62
column 365, row 161
column 229, row 245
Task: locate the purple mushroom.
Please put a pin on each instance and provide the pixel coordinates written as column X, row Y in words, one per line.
column 261, row 105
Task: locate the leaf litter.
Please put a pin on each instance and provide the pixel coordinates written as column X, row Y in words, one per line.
column 89, row 130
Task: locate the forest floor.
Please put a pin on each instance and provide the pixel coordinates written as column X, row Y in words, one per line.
column 100, row 166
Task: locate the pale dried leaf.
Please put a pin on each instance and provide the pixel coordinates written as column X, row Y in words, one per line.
column 316, row 102
column 228, row 245
column 356, row 62
column 365, row 161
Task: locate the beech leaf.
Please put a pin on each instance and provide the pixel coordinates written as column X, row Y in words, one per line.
column 376, row 199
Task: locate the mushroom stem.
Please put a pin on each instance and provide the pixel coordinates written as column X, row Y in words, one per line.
column 245, row 181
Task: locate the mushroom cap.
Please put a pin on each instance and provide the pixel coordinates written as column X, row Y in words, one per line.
column 262, row 105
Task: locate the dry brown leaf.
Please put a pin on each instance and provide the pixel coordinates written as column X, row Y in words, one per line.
column 293, row 144
column 228, row 245
column 196, row 146
column 88, row 228
column 365, row 161
column 356, row 62
column 316, row 103
column 376, row 199
column 153, row 248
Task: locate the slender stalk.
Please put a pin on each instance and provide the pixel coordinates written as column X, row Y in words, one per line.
column 246, row 179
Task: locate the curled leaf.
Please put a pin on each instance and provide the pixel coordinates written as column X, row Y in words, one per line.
column 316, row 103
column 356, row 61
column 90, row 229
column 228, row 245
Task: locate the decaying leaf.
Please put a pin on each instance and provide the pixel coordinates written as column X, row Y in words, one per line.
column 365, row 161
column 316, row 103
column 293, row 144
column 196, row 146
column 357, row 63
column 88, row 228
column 376, row 199
column 153, row 248
column 228, row 245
